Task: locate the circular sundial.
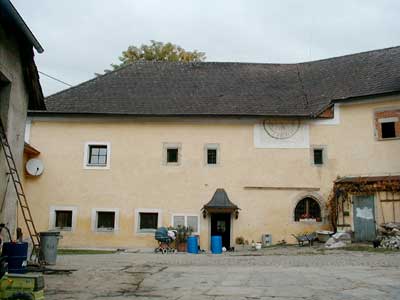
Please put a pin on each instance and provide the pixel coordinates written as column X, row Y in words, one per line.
column 281, row 129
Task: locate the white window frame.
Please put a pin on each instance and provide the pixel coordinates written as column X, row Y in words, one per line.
column 52, row 219
column 393, row 120
column 211, row 146
column 86, row 154
column 95, row 216
column 167, row 146
column 139, row 231
column 185, row 215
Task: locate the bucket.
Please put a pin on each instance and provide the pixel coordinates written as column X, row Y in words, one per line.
column 192, row 245
column 216, row 244
column 48, row 246
column 17, row 256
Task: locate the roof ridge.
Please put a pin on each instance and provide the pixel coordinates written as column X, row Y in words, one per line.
column 348, row 55
column 213, row 63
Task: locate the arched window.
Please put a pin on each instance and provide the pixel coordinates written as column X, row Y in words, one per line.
column 307, row 208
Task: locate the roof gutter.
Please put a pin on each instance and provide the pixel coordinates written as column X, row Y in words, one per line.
column 42, row 113
column 21, row 25
column 364, row 97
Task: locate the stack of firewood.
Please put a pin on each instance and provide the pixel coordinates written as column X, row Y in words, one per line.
column 390, row 236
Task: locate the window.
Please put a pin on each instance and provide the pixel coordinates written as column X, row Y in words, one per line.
column 97, row 155
column 318, row 158
column 388, row 130
column 211, row 154
column 387, row 124
column 191, row 221
column 63, row 219
column 318, row 155
column 105, row 219
column 172, row 154
column 307, row 209
column 148, row 221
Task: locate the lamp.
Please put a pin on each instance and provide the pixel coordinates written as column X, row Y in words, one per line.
column 236, row 214
column 204, row 213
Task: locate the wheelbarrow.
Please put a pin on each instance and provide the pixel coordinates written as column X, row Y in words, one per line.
column 305, row 238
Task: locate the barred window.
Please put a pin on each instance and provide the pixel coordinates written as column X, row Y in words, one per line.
column 307, row 208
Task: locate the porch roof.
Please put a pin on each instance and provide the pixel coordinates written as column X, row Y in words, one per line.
column 220, row 201
column 367, row 179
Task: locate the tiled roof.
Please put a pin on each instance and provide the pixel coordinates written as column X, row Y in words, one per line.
column 367, row 179
column 232, row 89
column 220, row 200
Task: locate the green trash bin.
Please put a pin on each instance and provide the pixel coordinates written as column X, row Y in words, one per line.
column 48, row 246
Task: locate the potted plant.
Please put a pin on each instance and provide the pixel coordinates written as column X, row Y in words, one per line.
column 307, row 218
column 182, row 233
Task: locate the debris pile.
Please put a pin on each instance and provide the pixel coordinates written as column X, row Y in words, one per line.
column 390, row 236
column 338, row 240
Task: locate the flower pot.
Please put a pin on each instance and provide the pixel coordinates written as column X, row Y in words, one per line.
column 308, row 220
column 182, row 246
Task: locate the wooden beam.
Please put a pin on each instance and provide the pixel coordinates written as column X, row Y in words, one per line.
column 287, row 188
column 393, row 200
column 29, row 150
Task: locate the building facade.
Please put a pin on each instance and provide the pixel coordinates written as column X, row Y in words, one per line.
column 19, row 89
column 145, row 147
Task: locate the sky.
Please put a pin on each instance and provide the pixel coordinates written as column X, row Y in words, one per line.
column 82, row 37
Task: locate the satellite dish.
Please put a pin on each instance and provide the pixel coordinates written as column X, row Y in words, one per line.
column 34, row 167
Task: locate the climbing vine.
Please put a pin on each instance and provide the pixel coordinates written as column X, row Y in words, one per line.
column 342, row 190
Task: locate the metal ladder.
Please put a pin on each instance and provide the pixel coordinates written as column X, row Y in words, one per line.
column 20, row 193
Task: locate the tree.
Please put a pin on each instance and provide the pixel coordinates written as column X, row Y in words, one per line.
column 158, row 51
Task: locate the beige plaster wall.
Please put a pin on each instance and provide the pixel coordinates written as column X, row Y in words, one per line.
column 137, row 177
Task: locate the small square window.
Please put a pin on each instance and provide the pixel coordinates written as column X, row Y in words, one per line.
column 63, row 219
column 97, row 155
column 318, row 156
column 388, row 130
column 172, row 155
column 148, row 221
column 105, row 220
column 212, row 156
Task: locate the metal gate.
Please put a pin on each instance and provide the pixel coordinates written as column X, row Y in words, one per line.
column 364, row 218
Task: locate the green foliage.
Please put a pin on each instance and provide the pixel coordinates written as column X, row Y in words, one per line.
column 158, row 51
column 182, row 233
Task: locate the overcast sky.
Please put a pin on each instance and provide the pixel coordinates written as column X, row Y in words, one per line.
column 81, row 37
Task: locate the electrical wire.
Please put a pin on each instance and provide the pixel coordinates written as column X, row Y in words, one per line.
column 54, row 78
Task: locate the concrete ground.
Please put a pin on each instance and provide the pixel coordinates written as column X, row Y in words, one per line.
column 276, row 274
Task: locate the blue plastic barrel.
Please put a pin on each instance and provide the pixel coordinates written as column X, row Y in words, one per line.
column 192, row 244
column 17, row 256
column 216, row 244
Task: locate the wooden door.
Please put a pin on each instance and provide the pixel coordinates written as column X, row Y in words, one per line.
column 364, row 218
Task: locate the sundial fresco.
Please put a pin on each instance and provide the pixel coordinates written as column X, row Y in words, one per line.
column 281, row 129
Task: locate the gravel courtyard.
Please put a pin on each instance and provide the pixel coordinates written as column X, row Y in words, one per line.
column 278, row 274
